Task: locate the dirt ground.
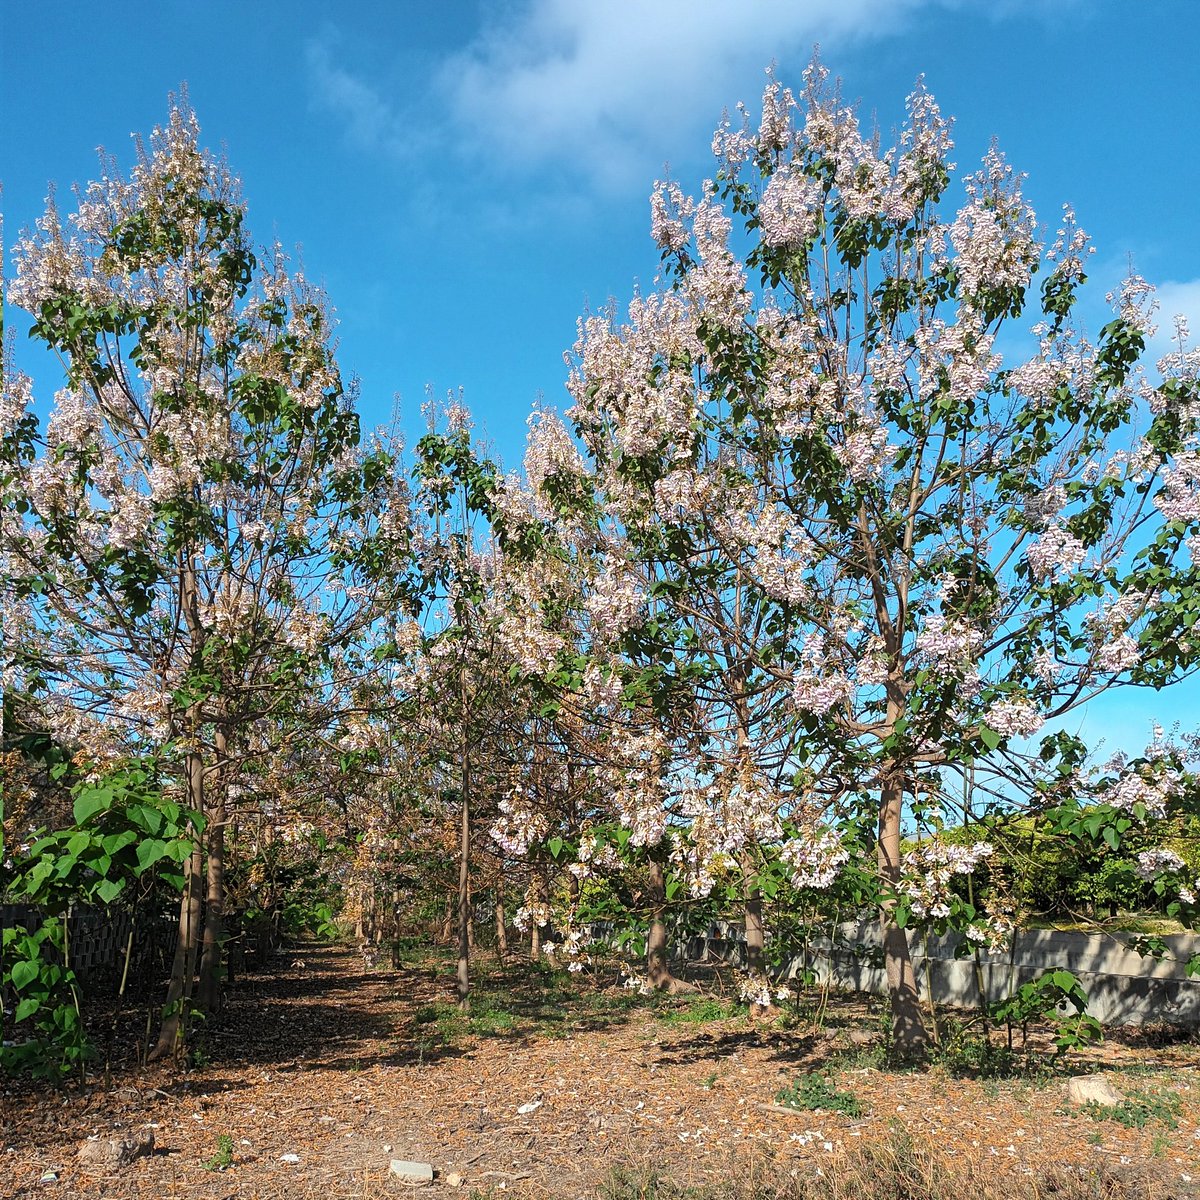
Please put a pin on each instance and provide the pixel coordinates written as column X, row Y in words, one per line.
column 319, row 1072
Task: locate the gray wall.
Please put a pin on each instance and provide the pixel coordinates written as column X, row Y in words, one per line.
column 1123, row 987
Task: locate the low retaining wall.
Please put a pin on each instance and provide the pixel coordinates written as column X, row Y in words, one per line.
column 1123, row 987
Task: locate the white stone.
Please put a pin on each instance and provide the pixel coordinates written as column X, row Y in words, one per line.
column 1093, row 1089
column 411, row 1172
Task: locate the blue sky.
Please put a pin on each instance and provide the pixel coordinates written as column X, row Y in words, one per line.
column 464, row 178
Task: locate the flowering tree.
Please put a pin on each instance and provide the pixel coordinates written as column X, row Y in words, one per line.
column 190, row 537
column 948, row 551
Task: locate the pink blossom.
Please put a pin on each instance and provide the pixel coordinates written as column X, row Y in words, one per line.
column 669, row 210
column 813, row 860
column 1152, row 863
column 1056, row 554
column 819, row 694
column 1014, row 717
column 790, row 208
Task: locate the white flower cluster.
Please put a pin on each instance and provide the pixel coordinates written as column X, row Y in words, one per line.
column 1014, row 716
column 929, row 868
column 993, row 933
column 519, row 825
column 1055, row 555
column 595, row 856
column 949, row 643
column 1149, row 788
column 814, row 860
column 550, row 453
column 633, row 778
column 755, row 988
column 532, row 913
column 724, row 820
column 572, row 950
column 782, row 551
column 633, row 982
column 616, row 601
column 618, row 376
column 790, row 208
column 1152, row 863
column 670, row 209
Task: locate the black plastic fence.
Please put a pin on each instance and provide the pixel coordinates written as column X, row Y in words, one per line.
column 98, row 938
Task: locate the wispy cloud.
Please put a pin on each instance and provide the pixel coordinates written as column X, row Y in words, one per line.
column 371, row 121
column 607, row 88
column 603, row 93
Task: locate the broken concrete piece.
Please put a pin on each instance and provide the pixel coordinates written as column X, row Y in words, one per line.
column 410, row 1172
column 109, row 1153
column 1093, row 1089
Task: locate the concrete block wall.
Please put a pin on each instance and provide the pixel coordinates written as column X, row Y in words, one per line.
column 1123, row 986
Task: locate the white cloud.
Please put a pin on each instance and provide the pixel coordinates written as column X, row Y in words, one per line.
column 372, row 122
column 611, row 89
column 606, row 92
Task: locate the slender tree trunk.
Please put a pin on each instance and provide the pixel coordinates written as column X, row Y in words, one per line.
column 908, row 1028
column 755, row 935
column 183, row 966
column 501, row 930
column 539, row 893
column 464, row 872
column 208, row 993
column 446, row 932
column 658, row 969
column 470, row 918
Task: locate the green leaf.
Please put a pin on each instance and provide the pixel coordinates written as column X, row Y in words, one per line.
column 77, row 843
column 149, row 852
column 91, row 801
column 24, row 972
column 26, row 1009
column 989, row 737
column 110, row 889
column 116, row 842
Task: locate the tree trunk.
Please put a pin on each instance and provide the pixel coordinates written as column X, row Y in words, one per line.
column 208, row 994
column 755, row 936
column 501, row 930
column 464, row 878
column 658, row 970
column 179, row 989
column 908, row 1028
column 539, row 894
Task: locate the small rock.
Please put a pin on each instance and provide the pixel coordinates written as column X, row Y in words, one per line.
column 862, row 1037
column 532, row 1106
column 454, row 1179
column 107, row 1153
column 48, row 1177
column 1093, row 1089
column 410, row 1172
column 289, row 1158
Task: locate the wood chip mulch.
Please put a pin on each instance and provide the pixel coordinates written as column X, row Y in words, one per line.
column 320, row 1076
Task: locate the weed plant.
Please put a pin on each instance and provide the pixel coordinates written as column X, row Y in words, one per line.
column 816, row 1093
